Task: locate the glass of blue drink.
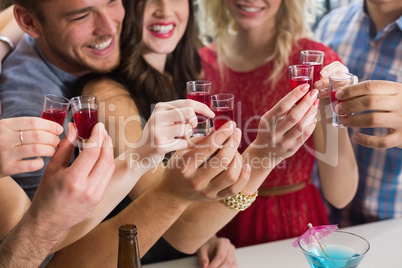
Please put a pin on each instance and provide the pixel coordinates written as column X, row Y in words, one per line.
column 342, row 250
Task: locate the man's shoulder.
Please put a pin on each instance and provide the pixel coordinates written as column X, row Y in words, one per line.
column 340, row 14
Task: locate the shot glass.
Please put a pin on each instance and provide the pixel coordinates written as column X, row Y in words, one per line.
column 200, row 90
column 314, row 58
column 300, row 74
column 55, row 108
column 338, row 81
column 85, row 116
column 223, row 107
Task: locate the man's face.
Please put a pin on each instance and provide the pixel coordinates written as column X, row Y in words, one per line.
column 82, row 36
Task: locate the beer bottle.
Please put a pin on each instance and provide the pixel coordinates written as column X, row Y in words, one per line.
column 129, row 256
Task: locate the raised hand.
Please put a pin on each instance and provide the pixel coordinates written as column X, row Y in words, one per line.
column 67, row 194
column 283, row 129
column 170, row 126
column 26, row 137
column 383, row 99
column 217, row 252
column 211, row 169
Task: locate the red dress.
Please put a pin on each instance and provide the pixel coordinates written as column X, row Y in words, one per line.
column 275, row 217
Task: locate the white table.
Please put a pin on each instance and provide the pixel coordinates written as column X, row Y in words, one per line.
column 385, row 239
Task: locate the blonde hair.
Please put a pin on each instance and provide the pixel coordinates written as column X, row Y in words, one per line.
column 293, row 21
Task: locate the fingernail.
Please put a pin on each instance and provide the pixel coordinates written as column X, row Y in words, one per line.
column 324, row 93
column 189, row 129
column 339, row 94
column 304, row 88
column 338, row 108
column 319, row 84
column 324, row 73
column 231, row 125
column 248, row 167
column 314, row 94
column 238, row 132
column 316, row 104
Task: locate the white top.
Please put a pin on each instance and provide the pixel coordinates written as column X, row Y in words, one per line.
column 385, row 238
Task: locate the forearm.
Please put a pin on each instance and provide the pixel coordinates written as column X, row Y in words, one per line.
column 126, row 175
column 29, row 243
column 338, row 169
column 10, row 29
column 153, row 213
column 203, row 219
column 197, row 225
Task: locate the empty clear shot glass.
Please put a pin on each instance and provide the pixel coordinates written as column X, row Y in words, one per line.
column 200, row 90
column 338, row 81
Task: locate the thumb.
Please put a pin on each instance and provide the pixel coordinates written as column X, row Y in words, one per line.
column 66, row 147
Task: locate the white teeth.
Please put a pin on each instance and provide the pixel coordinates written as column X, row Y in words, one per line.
column 161, row 28
column 250, row 9
column 102, row 45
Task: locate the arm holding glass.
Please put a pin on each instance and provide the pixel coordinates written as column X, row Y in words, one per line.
column 334, row 152
column 65, row 196
column 164, row 199
column 194, row 227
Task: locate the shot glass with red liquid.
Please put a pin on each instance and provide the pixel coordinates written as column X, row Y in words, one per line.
column 200, row 90
column 55, row 108
column 85, row 116
column 223, row 106
column 314, row 58
column 300, row 74
column 338, row 81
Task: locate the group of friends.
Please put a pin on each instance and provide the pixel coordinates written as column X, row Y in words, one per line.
column 62, row 209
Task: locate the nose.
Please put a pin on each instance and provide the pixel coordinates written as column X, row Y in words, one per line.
column 105, row 24
column 164, row 9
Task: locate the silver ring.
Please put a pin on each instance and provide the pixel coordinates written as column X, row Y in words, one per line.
column 21, row 138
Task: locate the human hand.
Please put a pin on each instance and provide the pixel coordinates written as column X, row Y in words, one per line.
column 323, row 84
column 170, row 126
column 68, row 194
column 283, row 129
column 383, row 99
column 26, row 137
column 217, row 252
column 211, row 169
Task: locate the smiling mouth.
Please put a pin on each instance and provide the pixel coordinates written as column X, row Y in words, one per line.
column 251, row 9
column 103, row 45
column 162, row 29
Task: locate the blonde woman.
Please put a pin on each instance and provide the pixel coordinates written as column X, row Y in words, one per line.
column 253, row 43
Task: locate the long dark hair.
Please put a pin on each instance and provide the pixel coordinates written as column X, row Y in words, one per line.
column 146, row 85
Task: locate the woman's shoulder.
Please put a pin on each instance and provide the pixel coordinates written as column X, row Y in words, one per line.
column 105, row 88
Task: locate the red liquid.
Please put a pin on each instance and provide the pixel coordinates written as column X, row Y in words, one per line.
column 203, row 97
column 222, row 115
column 55, row 115
column 317, row 67
column 300, row 80
column 334, row 101
column 85, row 120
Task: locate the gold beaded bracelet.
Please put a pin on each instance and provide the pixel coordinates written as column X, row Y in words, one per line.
column 240, row 202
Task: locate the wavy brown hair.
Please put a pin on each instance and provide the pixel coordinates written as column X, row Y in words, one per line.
column 146, row 85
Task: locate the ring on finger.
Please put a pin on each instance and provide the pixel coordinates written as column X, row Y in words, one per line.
column 21, row 138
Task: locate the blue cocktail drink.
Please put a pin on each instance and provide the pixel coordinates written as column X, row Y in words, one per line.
column 342, row 250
